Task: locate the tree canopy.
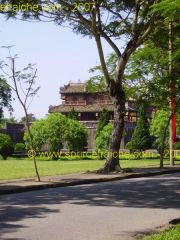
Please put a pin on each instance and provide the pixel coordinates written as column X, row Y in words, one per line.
column 125, row 25
column 5, row 96
column 73, row 114
column 128, row 20
column 55, row 131
column 148, row 72
column 102, row 140
column 31, row 118
column 169, row 9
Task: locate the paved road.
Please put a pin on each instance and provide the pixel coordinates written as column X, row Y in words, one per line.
column 105, row 211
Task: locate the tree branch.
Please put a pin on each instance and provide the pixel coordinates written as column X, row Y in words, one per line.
column 14, row 81
column 30, row 86
column 135, row 19
column 130, row 48
column 100, row 49
column 88, row 24
column 147, row 31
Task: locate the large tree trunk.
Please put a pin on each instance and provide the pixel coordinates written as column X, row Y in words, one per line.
column 112, row 162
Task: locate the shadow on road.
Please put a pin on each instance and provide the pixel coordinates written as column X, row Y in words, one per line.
column 159, row 192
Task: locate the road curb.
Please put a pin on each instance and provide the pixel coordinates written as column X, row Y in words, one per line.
column 20, row 189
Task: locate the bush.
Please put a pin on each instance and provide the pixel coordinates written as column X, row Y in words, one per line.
column 75, row 135
column 55, row 130
column 102, row 141
column 129, row 147
column 177, row 146
column 19, row 147
column 39, row 133
column 158, row 124
column 6, row 146
column 103, row 121
column 140, row 140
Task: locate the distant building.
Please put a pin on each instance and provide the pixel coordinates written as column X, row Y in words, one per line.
column 89, row 106
column 15, row 130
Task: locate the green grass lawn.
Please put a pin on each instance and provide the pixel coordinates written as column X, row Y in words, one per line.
column 23, row 168
column 172, row 233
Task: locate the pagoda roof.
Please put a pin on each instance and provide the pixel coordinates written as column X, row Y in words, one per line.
column 81, row 108
column 74, row 88
column 86, row 108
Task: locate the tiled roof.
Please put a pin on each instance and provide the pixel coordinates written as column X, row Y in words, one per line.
column 87, row 108
column 73, row 88
column 81, row 108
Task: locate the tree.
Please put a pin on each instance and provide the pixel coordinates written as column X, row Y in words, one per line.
column 5, row 96
column 147, row 73
column 141, row 137
column 55, row 130
column 177, row 146
column 103, row 139
column 11, row 119
column 31, row 118
column 158, row 124
column 6, row 145
column 170, row 10
column 19, row 79
column 73, row 114
column 128, row 21
column 158, row 73
column 47, row 131
column 38, row 131
column 55, row 126
column 75, row 135
column 7, row 120
column 103, row 121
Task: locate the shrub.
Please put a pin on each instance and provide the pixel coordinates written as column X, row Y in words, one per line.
column 103, row 121
column 177, row 146
column 141, row 136
column 73, row 114
column 102, row 141
column 19, row 147
column 75, row 135
column 38, row 130
column 6, row 146
column 55, row 130
column 158, row 124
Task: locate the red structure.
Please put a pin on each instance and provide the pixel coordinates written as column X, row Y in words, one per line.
column 173, row 121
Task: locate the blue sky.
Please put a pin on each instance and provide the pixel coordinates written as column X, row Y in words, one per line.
column 60, row 56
